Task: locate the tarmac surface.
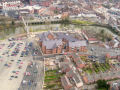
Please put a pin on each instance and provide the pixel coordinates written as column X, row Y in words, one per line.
column 10, row 75
column 34, row 81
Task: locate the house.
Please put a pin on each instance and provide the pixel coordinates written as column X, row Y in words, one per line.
column 90, row 37
column 65, row 15
column 26, row 9
column 72, row 78
column 67, row 59
column 65, row 66
column 78, row 81
column 66, row 83
column 85, row 79
column 79, row 63
column 75, row 78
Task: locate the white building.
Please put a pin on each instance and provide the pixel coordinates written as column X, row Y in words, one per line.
column 11, row 4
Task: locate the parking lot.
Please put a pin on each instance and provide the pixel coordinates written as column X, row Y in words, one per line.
column 34, row 74
column 12, row 64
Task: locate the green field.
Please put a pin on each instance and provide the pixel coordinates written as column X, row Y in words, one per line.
column 82, row 22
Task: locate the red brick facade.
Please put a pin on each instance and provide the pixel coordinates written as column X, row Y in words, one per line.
column 44, row 49
column 52, row 51
column 59, row 48
column 50, row 36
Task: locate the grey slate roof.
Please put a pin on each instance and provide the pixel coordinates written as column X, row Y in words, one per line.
column 77, row 44
column 65, row 81
column 44, row 35
column 77, row 78
column 51, row 44
column 67, row 37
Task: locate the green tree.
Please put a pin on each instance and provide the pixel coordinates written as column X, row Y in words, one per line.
column 102, row 85
column 13, row 23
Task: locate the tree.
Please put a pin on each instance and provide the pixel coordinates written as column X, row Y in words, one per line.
column 65, row 21
column 13, row 23
column 102, row 31
column 102, row 85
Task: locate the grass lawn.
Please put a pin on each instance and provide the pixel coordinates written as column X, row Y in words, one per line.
column 50, row 86
column 96, row 70
column 88, row 70
column 102, row 89
column 84, row 58
column 82, row 22
column 48, row 80
column 38, row 30
column 103, row 66
column 101, row 69
column 52, row 80
column 107, row 66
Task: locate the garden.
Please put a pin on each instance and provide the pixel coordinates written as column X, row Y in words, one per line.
column 52, row 80
column 96, row 68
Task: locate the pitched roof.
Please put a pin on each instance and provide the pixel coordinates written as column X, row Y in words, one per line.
column 77, row 78
column 77, row 44
column 65, row 81
column 66, row 36
column 51, row 44
column 44, row 36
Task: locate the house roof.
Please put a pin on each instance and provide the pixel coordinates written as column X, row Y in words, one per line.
column 92, row 39
column 77, row 44
column 65, row 65
column 65, row 81
column 44, row 36
column 85, row 79
column 66, row 36
column 77, row 78
column 71, row 72
column 79, row 62
column 51, row 44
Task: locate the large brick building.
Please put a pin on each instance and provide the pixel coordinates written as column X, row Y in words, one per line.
column 52, row 43
column 49, row 44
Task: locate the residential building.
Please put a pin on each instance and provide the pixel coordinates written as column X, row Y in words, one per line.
column 66, row 83
column 73, row 78
column 11, row 4
column 79, row 63
column 49, row 44
column 52, row 43
column 90, row 37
